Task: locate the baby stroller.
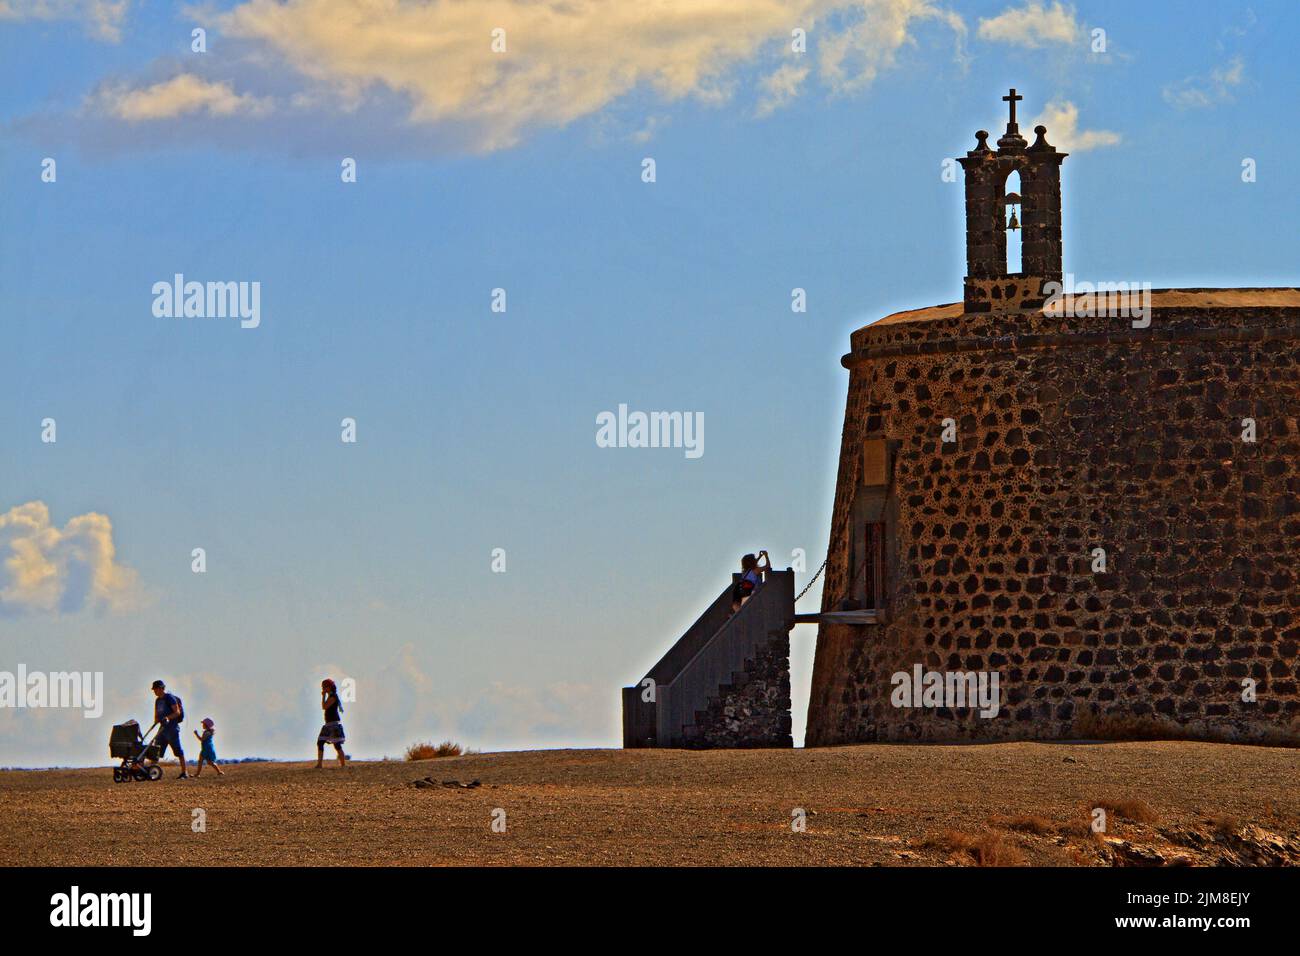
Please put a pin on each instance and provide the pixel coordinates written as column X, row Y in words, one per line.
column 127, row 744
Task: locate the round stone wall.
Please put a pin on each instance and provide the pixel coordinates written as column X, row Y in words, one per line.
column 1100, row 534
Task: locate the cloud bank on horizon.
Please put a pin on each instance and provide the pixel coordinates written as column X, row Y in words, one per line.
column 476, row 78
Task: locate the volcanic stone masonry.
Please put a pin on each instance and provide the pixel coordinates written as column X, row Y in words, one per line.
column 755, row 710
column 1113, row 527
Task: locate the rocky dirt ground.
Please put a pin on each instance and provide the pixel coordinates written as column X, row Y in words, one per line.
column 1169, row 803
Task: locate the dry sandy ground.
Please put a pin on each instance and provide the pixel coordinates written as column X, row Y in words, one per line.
column 874, row 804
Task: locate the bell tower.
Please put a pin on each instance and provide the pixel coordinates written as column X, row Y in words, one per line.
column 989, row 287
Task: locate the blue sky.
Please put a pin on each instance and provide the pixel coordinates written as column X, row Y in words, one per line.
column 519, row 170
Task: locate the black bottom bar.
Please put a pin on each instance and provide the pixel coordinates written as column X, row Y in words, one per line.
column 377, row 905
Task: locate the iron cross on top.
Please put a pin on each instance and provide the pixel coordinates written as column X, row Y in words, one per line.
column 1012, row 98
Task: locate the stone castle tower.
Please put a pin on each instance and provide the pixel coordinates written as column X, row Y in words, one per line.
column 1095, row 499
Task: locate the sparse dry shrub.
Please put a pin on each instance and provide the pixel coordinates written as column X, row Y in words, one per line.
column 987, row 849
column 1224, row 824
column 427, row 750
column 1079, row 858
column 1139, row 811
column 1081, row 830
column 997, row 849
column 1278, row 819
column 951, row 840
column 1026, row 823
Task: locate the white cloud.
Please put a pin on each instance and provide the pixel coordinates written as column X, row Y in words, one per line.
column 648, row 129
column 1061, row 117
column 1032, row 25
column 854, row 56
column 101, row 18
column 183, row 95
column 564, row 59
column 1201, row 92
column 45, row 569
column 780, row 87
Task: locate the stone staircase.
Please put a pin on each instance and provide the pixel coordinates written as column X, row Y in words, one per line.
column 753, row 710
column 726, row 682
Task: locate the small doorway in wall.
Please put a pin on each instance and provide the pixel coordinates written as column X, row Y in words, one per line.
column 873, row 559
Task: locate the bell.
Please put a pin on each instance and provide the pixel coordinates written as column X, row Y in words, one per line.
column 1013, row 223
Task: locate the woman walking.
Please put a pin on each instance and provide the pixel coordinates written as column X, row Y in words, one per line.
column 331, row 731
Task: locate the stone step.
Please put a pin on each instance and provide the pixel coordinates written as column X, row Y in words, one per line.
column 693, row 735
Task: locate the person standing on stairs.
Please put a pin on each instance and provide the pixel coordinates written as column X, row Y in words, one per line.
column 751, row 576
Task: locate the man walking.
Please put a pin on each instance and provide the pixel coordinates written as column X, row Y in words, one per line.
column 167, row 711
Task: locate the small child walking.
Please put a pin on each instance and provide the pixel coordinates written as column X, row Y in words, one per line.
column 206, row 751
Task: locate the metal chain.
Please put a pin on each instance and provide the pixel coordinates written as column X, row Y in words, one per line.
column 812, row 581
column 862, row 574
